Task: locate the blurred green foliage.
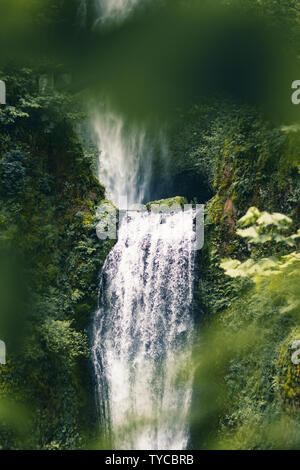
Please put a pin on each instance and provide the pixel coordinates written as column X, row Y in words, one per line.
column 166, row 53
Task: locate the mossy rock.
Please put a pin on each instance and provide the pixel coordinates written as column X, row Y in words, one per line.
column 288, row 376
column 174, row 203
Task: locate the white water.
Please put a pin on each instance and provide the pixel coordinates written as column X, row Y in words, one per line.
column 125, row 158
column 143, row 332
column 127, row 154
column 115, row 10
column 107, row 11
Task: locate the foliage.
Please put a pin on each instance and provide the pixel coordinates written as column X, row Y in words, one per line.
column 288, row 376
column 253, row 311
column 280, row 274
column 257, row 407
column 48, row 200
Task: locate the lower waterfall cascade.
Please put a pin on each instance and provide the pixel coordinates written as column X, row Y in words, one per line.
column 143, row 332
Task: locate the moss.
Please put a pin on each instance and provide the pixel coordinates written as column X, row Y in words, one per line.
column 176, row 202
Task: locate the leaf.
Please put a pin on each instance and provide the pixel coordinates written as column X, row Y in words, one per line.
column 250, row 232
column 250, row 217
column 277, row 219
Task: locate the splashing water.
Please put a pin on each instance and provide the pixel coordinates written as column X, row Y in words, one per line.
column 143, row 332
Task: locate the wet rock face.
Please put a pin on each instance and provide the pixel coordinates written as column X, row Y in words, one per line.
column 289, row 372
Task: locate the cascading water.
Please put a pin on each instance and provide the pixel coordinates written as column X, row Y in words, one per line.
column 115, row 9
column 106, row 11
column 143, row 332
column 126, row 158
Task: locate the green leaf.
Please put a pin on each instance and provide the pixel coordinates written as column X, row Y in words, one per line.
column 250, row 217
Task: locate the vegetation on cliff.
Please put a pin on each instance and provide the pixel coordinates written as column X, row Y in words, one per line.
column 50, row 262
column 252, row 309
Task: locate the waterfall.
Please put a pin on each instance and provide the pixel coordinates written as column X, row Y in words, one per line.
column 143, row 328
column 143, row 332
column 125, row 159
column 128, row 153
column 115, row 10
column 107, row 11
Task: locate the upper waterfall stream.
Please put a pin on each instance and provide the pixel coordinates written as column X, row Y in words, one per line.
column 106, row 11
column 143, row 332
